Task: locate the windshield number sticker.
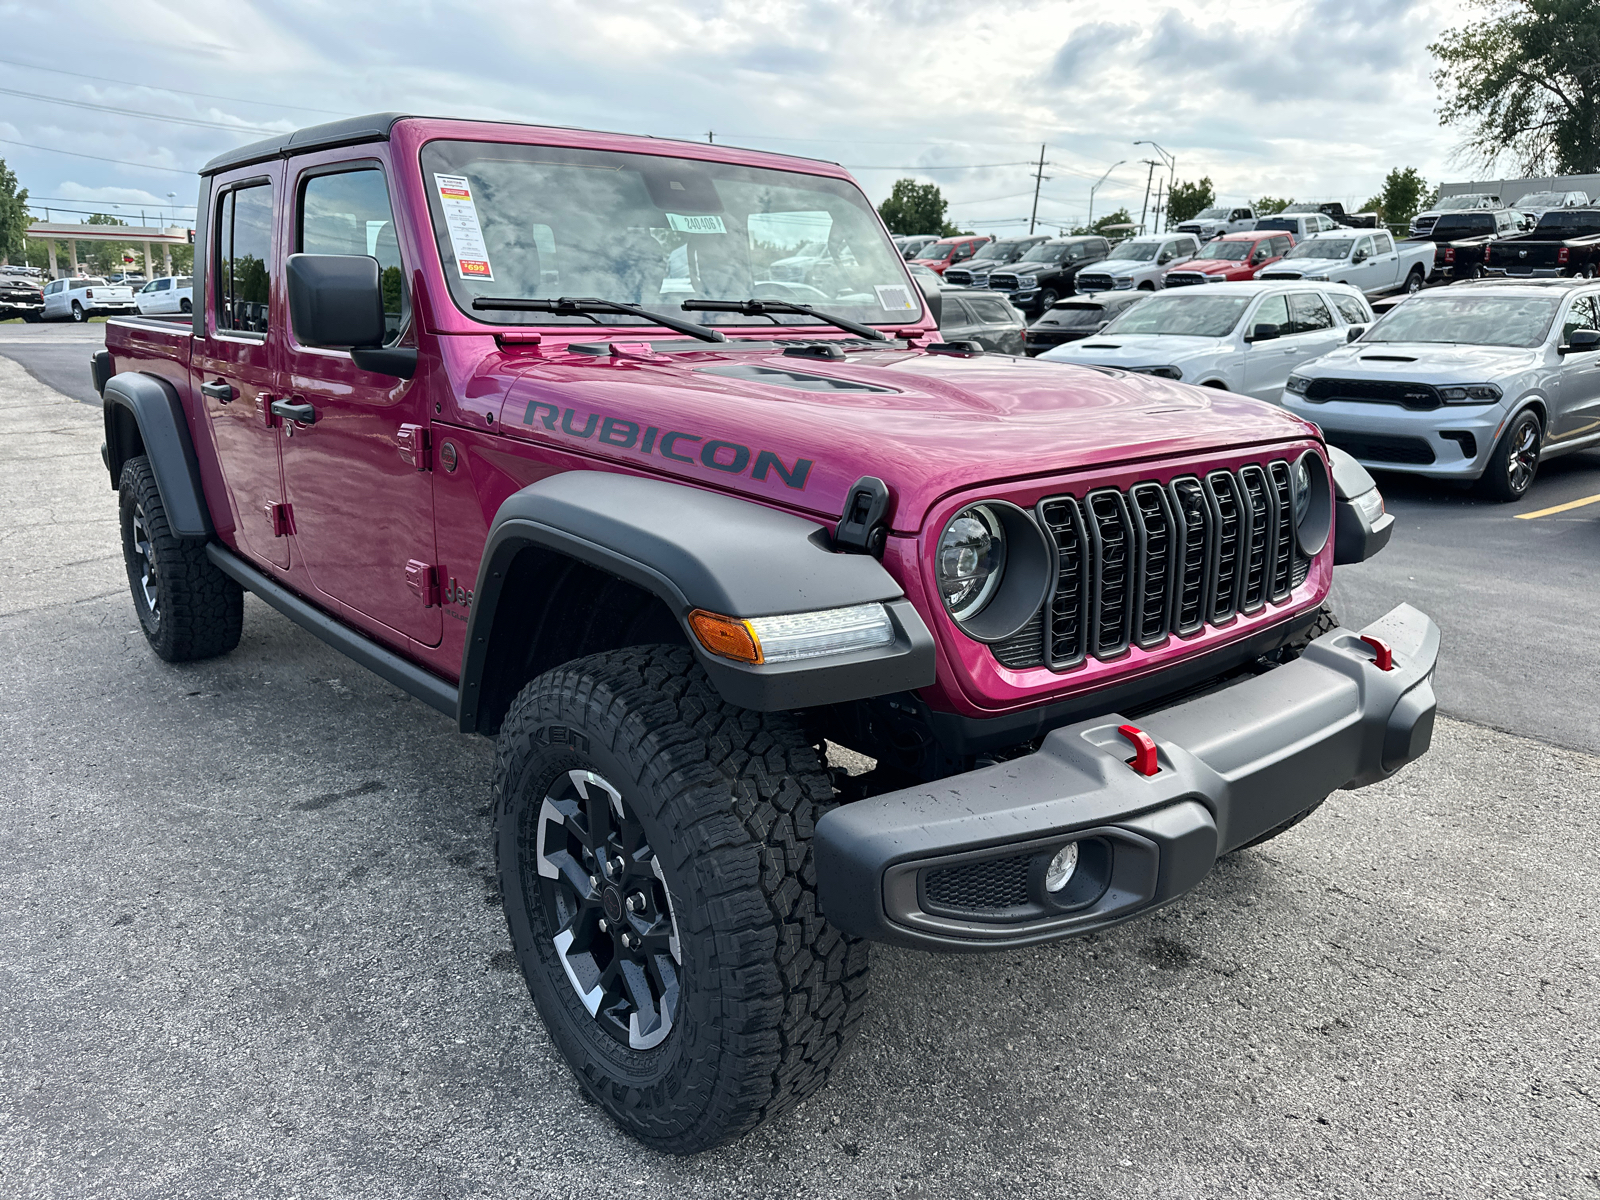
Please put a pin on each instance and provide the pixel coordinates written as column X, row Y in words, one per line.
column 699, row 223
column 896, row 297
column 466, row 235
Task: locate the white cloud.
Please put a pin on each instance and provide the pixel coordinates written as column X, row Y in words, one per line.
column 1316, row 100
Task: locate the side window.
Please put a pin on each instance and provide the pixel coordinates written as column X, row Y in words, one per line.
column 1383, row 243
column 1282, row 245
column 956, row 313
column 1261, row 253
column 1241, row 214
column 1353, row 310
column 1584, row 314
column 1274, row 310
column 991, row 310
column 348, row 213
column 1307, row 313
column 244, row 259
column 1363, row 248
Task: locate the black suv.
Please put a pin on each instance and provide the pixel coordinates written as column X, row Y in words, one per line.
column 1046, row 273
column 991, row 256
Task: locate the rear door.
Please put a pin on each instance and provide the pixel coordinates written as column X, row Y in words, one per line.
column 357, row 477
column 1577, row 412
column 235, row 365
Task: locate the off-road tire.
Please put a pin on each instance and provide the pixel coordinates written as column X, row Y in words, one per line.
column 1515, row 462
column 198, row 611
column 769, row 993
column 78, row 314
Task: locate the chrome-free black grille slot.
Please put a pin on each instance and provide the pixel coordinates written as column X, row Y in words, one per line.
column 982, row 887
column 1193, row 513
column 1115, row 573
column 1233, row 530
column 1025, row 648
column 1067, row 603
column 1158, row 542
column 1284, row 548
column 1257, row 565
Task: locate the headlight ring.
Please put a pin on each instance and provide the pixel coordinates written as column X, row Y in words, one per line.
column 1312, row 500
column 992, row 566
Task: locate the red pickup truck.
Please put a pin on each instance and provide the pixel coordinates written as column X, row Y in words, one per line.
column 518, row 418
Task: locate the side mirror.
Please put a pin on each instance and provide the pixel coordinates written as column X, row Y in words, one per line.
column 1163, row 260
column 337, row 300
column 932, row 294
column 1099, row 325
column 1583, row 341
column 1265, row 332
column 1354, row 333
column 1360, row 256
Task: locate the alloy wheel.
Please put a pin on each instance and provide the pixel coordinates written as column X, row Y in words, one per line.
column 1523, row 460
column 603, row 886
column 147, row 565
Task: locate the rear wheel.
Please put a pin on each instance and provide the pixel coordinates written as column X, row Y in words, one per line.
column 187, row 608
column 1515, row 460
column 655, row 862
column 78, row 314
column 1414, row 281
column 185, row 306
column 32, row 318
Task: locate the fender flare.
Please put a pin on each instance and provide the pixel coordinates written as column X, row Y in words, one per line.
column 692, row 549
column 1357, row 534
column 163, row 436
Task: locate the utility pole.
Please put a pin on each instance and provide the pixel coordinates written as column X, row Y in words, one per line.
column 1156, row 218
column 1038, row 179
column 1149, row 175
column 711, row 136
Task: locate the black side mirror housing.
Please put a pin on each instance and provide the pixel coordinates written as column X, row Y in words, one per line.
column 1265, row 332
column 1360, row 256
column 1583, row 341
column 337, row 300
column 930, row 289
column 1354, row 332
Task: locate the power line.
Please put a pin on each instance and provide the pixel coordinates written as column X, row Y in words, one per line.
column 939, row 167
column 133, row 112
column 149, row 209
column 121, row 162
column 175, row 91
column 32, row 199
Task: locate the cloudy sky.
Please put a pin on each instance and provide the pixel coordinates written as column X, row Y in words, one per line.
column 1313, row 100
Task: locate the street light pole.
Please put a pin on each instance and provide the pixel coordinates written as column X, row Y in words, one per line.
column 1096, row 185
column 1171, row 161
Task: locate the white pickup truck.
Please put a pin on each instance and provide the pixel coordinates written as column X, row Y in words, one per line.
column 1214, row 222
column 83, row 297
column 1371, row 262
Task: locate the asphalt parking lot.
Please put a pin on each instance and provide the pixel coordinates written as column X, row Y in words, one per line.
column 249, row 944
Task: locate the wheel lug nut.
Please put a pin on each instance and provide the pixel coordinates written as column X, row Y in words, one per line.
column 636, row 903
column 604, row 925
column 594, row 882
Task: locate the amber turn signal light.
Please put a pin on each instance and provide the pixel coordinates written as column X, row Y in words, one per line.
column 725, row 637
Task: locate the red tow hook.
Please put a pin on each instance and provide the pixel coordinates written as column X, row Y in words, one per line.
column 1144, row 749
column 1383, row 656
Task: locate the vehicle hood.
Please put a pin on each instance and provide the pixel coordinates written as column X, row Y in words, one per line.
column 1305, row 266
column 799, row 432
column 1122, row 266
column 1136, row 349
column 1212, row 266
column 1424, row 362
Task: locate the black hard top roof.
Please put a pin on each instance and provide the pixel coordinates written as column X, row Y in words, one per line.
column 374, row 127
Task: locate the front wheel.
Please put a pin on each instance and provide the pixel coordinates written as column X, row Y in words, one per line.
column 1147, row 286
column 655, row 858
column 1047, row 299
column 78, row 314
column 1515, row 460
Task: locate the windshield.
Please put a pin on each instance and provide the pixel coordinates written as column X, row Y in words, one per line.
column 1230, row 251
column 1045, row 253
column 1570, row 220
column 1185, row 314
column 1470, row 320
column 1300, row 208
column 1136, row 251
column 1457, row 203
column 541, row 222
column 1323, row 248
column 936, row 252
column 1463, row 225
column 1542, row 200
column 1212, row 214
column 999, row 250
column 1076, row 315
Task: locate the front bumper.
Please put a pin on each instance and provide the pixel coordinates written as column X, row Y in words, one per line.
column 959, row 864
column 1454, row 441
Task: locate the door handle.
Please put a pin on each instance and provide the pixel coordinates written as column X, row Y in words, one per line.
column 220, row 391
column 304, row 414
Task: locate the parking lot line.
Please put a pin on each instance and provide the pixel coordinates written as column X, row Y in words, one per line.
column 1559, row 508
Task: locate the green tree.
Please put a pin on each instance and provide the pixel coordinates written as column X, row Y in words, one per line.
column 14, row 218
column 1187, row 199
column 1401, row 197
column 1120, row 217
column 914, row 208
column 1269, row 206
column 1525, row 85
column 105, row 258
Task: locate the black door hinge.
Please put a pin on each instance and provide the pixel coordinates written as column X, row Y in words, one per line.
column 864, row 527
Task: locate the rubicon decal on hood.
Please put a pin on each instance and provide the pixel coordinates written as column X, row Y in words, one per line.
column 730, row 457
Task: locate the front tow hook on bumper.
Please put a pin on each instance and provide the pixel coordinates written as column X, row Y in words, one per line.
column 961, row 863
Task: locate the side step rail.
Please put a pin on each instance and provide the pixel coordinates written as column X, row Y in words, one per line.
column 385, row 664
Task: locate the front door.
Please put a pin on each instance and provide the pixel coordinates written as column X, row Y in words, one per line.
column 234, row 367
column 1266, row 363
column 357, row 477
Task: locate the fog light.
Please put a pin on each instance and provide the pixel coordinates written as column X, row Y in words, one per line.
column 1061, row 868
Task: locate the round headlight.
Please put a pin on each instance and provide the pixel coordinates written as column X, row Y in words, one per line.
column 1313, row 503
column 972, row 558
column 1302, row 492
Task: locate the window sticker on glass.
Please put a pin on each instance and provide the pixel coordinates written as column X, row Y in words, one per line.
column 700, row 223
column 896, row 297
column 466, row 235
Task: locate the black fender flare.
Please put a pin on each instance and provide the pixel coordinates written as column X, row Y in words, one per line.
column 1357, row 533
column 160, row 431
column 697, row 549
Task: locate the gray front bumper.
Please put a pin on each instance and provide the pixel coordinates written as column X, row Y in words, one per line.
column 959, row 864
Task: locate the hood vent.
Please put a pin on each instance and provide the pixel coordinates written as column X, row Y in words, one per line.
column 799, row 380
column 1387, row 358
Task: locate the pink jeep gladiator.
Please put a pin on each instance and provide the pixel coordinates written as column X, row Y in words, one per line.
column 646, row 459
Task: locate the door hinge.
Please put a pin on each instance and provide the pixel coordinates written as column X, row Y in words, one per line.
column 423, row 579
column 281, row 518
column 415, row 446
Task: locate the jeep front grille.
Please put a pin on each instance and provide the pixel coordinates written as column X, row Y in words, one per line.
column 1137, row 567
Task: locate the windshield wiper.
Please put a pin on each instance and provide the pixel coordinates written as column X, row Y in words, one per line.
column 760, row 308
column 583, row 305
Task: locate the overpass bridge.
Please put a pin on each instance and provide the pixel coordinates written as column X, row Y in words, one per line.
column 148, row 236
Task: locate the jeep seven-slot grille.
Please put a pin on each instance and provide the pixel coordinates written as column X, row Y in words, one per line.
column 1136, row 567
